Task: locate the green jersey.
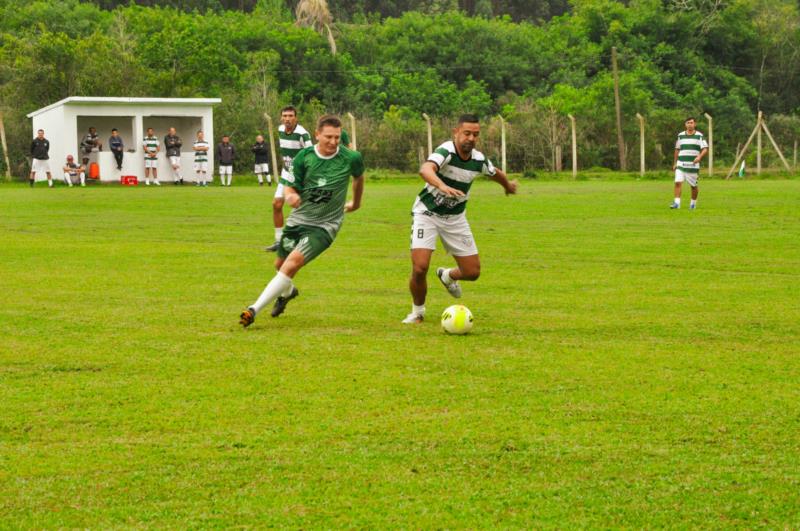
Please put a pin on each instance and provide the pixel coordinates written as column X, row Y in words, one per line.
column 201, row 156
column 689, row 147
column 344, row 139
column 322, row 185
column 456, row 173
column 291, row 144
column 150, row 147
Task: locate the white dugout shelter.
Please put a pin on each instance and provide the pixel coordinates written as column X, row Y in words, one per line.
column 67, row 121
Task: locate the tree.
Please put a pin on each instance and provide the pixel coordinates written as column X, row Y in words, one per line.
column 315, row 14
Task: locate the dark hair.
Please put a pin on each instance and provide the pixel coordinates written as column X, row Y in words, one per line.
column 328, row 119
column 40, row 131
column 200, row 131
column 226, row 136
column 468, row 119
column 115, row 129
column 149, row 128
column 289, row 108
column 690, row 118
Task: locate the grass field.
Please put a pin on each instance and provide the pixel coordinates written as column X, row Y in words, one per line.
column 630, row 366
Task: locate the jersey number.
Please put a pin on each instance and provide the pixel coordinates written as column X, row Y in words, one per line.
column 319, row 196
column 420, row 233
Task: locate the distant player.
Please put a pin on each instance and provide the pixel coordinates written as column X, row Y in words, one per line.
column 73, row 171
column 201, row 148
column 690, row 149
column 439, row 212
column 292, row 138
column 173, row 144
column 317, row 191
column 151, row 148
column 40, row 158
column 261, row 151
column 225, row 155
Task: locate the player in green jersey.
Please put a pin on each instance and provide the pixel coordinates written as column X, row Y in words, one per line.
column 439, row 213
column 317, row 191
column 690, row 148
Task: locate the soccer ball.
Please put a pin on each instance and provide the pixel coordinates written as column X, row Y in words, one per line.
column 457, row 319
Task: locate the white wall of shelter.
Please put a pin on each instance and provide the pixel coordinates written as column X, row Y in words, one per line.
column 67, row 121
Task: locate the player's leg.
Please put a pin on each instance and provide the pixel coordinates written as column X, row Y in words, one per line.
column 456, row 235
column 67, row 179
column 259, row 176
column 692, row 180
column 155, row 174
column 230, row 175
column 679, row 178
column 49, row 179
column 424, row 232
column 277, row 217
column 32, row 177
column 469, row 268
column 147, row 172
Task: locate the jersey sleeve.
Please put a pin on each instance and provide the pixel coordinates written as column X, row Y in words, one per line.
column 440, row 157
column 488, row 168
column 306, row 139
column 703, row 143
column 357, row 165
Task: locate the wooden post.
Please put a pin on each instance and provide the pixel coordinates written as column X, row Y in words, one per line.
column 553, row 143
column 502, row 144
column 353, row 141
column 641, row 144
column 430, row 132
column 758, row 143
column 775, row 145
column 618, row 106
column 421, row 155
column 710, row 144
column 741, row 153
column 575, row 146
column 274, row 156
column 8, row 163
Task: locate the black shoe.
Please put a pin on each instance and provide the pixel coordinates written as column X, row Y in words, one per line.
column 281, row 302
column 261, row 183
column 247, row 317
column 31, row 180
column 273, row 248
column 181, row 182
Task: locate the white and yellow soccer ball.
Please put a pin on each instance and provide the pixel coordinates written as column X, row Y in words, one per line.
column 457, row 319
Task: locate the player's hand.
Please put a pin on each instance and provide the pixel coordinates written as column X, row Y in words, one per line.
column 512, row 187
column 450, row 192
column 351, row 207
column 293, row 200
column 674, row 167
column 697, row 160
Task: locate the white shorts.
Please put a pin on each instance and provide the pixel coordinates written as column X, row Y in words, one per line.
column 175, row 161
column 454, row 231
column 201, row 167
column 261, row 168
column 226, row 170
column 151, row 163
column 40, row 166
column 689, row 177
column 279, row 191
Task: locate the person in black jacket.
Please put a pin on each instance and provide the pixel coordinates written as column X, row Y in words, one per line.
column 117, row 147
column 261, row 151
column 173, row 144
column 225, row 155
column 40, row 153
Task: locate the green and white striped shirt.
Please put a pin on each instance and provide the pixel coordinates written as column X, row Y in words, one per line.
column 689, row 147
column 292, row 143
column 201, row 156
column 150, row 143
column 455, row 173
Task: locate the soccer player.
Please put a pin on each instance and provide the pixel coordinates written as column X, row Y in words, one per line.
column 173, row 144
column 200, row 148
column 261, row 151
column 317, row 191
column 40, row 155
column 225, row 155
column 292, row 138
column 690, row 149
column 72, row 170
column 151, row 148
column 439, row 211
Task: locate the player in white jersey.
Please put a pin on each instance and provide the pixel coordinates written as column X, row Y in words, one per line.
column 690, row 148
column 200, row 148
column 439, row 213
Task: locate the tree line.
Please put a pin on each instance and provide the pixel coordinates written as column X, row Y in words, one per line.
column 676, row 57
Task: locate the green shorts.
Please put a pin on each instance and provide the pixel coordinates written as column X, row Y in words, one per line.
column 310, row 241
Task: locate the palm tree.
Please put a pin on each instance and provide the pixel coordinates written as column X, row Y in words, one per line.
column 315, row 14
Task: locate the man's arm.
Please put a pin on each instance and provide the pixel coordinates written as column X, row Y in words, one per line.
column 33, row 146
column 702, row 154
column 501, row 178
column 358, row 191
column 675, row 159
column 428, row 174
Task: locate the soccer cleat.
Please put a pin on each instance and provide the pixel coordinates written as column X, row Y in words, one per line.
column 413, row 318
column 674, row 206
column 692, row 207
column 453, row 287
column 281, row 302
column 247, row 317
column 273, row 248
column 261, row 183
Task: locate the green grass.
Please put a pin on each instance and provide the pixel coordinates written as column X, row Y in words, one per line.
column 630, row 366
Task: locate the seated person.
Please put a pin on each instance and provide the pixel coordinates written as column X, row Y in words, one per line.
column 72, row 170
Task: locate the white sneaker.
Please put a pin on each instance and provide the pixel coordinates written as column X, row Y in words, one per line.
column 147, row 183
column 413, row 318
column 158, row 183
column 453, row 288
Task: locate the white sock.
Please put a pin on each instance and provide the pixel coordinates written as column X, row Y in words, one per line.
column 417, row 310
column 693, row 203
column 260, row 178
column 50, row 183
column 83, row 179
column 269, row 178
column 67, row 180
column 147, row 181
column 677, row 200
column 278, row 233
column 288, row 291
column 276, row 287
column 446, row 276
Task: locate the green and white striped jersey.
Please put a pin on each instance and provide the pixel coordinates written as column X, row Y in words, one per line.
column 322, row 185
column 291, row 143
column 201, row 156
column 455, row 173
column 689, row 147
column 150, row 144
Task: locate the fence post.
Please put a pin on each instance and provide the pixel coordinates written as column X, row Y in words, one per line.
column 8, row 163
column 758, row 143
column 353, row 137
column 795, row 154
column 574, row 146
column 710, row 144
column 503, row 144
column 272, row 151
column 641, row 144
column 623, row 165
column 430, row 132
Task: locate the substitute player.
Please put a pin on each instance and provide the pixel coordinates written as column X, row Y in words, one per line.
column 151, row 148
column 292, row 137
column 690, row 149
column 439, row 211
column 317, row 191
column 173, row 144
column 261, row 151
column 201, row 148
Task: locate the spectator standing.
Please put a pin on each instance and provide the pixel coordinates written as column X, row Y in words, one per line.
column 225, row 154
column 40, row 153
